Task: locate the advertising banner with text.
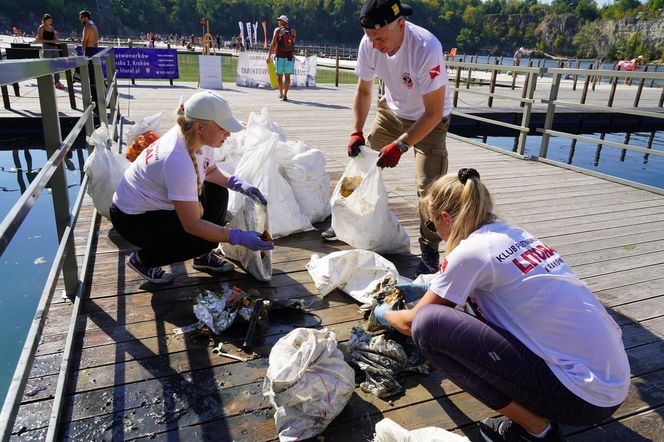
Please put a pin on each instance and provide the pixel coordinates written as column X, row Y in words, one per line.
column 252, row 71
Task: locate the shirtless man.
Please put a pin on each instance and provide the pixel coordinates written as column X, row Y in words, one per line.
column 90, row 34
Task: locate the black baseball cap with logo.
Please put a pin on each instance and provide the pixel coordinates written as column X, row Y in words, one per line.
column 378, row 13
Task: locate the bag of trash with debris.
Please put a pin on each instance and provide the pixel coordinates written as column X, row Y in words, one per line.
column 389, row 431
column 360, row 213
column 258, row 166
column 252, row 216
column 218, row 310
column 105, row 169
column 307, row 382
column 355, row 272
column 383, row 361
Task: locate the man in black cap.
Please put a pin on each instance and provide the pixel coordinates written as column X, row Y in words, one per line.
column 415, row 108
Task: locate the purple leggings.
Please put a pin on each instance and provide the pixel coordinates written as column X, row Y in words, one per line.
column 496, row 368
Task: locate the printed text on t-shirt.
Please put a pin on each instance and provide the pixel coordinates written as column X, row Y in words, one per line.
column 531, row 257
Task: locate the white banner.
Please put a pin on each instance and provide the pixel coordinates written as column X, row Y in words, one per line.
column 252, row 71
column 250, row 41
column 255, row 26
column 209, row 71
column 244, row 43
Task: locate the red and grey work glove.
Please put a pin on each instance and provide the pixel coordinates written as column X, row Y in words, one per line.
column 356, row 140
column 390, row 154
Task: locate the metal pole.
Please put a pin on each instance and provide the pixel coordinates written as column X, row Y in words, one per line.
column 52, row 141
column 550, row 112
column 336, row 72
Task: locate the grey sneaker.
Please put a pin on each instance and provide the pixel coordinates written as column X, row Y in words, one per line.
column 212, row 263
column 503, row 429
column 329, row 235
column 153, row 274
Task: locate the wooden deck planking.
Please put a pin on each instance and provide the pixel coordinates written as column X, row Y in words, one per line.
column 130, row 368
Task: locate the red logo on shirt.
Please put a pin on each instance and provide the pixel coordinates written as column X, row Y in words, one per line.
column 148, row 154
column 433, row 73
column 443, row 266
column 407, row 80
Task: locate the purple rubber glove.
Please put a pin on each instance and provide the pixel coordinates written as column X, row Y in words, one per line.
column 239, row 185
column 249, row 239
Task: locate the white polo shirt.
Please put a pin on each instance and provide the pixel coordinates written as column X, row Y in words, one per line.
column 417, row 68
column 526, row 288
column 164, row 172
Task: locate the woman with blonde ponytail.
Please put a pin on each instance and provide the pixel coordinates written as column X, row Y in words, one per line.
column 540, row 348
column 172, row 200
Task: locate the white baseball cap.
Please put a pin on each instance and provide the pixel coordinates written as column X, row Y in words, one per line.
column 207, row 105
column 284, row 18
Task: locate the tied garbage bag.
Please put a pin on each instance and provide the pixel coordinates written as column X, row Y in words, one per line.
column 252, row 216
column 360, row 213
column 104, row 169
column 389, row 431
column 307, row 382
column 355, row 272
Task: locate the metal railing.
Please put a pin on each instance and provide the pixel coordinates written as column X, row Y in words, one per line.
column 463, row 80
column 65, row 266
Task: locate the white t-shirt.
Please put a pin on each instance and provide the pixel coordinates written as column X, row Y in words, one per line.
column 526, row 288
column 162, row 173
column 417, row 68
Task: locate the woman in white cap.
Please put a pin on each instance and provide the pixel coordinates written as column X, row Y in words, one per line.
column 172, row 200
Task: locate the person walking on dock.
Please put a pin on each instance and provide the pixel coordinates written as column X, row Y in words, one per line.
column 540, row 348
column 415, row 110
column 172, row 200
column 53, row 47
column 283, row 45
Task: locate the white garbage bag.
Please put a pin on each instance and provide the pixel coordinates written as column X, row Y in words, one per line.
column 355, row 272
column 307, row 382
column 252, row 216
column 104, row 169
column 258, row 166
column 149, row 123
column 304, row 169
column 362, row 217
column 389, row 431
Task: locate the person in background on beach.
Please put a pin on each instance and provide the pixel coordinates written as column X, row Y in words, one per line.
column 172, row 200
column 540, row 349
column 630, row 65
column 53, row 48
column 516, row 59
column 90, row 40
column 415, row 110
column 283, row 45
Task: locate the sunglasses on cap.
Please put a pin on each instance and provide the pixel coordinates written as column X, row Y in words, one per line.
column 430, row 226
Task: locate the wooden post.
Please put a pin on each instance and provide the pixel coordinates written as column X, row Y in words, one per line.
column 586, row 83
column 652, row 82
column 470, row 73
column 576, row 76
column 598, row 151
column 457, row 80
column 637, row 98
column 336, row 71
column 649, row 146
column 525, row 83
column 572, row 149
column 5, row 97
column 614, row 84
column 628, row 135
column 661, row 98
column 492, row 85
column 131, row 45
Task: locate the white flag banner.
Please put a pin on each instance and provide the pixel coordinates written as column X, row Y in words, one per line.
column 252, row 71
column 241, row 32
column 255, row 26
column 249, row 40
column 209, row 71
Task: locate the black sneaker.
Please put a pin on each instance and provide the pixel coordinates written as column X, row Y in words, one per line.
column 285, row 98
column 430, row 262
column 503, row 429
column 329, row 235
column 210, row 262
column 153, row 274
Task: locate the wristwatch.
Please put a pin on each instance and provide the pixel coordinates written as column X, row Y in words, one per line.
column 403, row 147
